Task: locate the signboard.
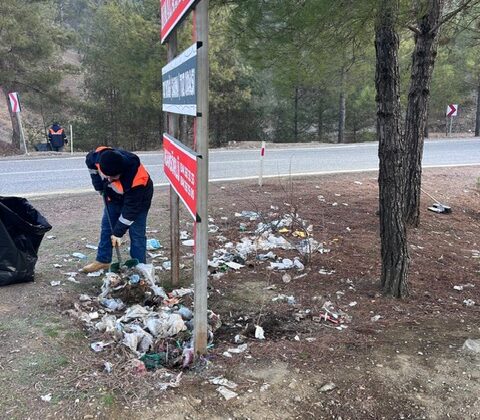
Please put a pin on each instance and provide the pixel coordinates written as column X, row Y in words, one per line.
column 180, row 167
column 179, row 82
column 452, row 110
column 14, row 101
column 172, row 12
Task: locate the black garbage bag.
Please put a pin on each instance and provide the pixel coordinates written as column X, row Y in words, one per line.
column 21, row 231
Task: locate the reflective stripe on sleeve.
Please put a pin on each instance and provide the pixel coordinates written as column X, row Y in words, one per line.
column 125, row 221
column 93, row 171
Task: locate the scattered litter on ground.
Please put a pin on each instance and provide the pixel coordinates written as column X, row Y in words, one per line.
column 174, row 383
column 46, row 398
column 155, row 255
column 239, row 339
column 264, row 387
column 259, row 333
column 188, row 242
column 234, row 265
column 240, row 349
column 220, row 380
column 51, row 237
column 248, row 214
column 79, row 255
column 95, row 273
column 375, row 318
column 464, row 286
column 282, row 297
column 84, row 298
column 471, row 345
column 328, row 387
column 98, row 346
column 55, row 283
column 227, row 393
column 153, row 244
column 94, row 247
column 469, row 302
column 108, row 367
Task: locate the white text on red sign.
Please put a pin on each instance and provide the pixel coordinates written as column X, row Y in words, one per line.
column 180, row 167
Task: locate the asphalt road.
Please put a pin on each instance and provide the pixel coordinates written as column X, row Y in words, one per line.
column 42, row 176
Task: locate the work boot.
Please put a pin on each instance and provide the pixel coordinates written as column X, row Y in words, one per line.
column 95, row 266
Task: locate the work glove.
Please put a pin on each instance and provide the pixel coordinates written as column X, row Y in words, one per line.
column 116, row 241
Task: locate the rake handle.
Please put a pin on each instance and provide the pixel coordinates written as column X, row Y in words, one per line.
column 117, row 249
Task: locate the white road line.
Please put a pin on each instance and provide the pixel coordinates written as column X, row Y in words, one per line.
column 347, row 171
column 226, row 162
column 48, row 171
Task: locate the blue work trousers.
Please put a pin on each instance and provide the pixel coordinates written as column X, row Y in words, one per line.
column 137, row 232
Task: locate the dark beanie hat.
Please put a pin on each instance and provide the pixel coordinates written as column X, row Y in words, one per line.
column 111, row 162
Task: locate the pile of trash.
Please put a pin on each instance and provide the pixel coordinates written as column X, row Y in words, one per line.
column 264, row 238
column 328, row 316
column 133, row 311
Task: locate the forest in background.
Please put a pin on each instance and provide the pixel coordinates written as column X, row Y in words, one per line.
column 280, row 70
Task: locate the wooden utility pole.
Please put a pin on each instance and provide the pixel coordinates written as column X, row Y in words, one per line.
column 172, row 129
column 201, row 228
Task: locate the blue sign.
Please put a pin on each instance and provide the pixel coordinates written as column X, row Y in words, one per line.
column 179, row 80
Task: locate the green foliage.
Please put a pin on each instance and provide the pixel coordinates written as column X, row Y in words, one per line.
column 313, row 51
column 235, row 110
column 30, row 45
column 123, row 60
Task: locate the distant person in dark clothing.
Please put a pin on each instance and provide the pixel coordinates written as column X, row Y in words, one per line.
column 57, row 137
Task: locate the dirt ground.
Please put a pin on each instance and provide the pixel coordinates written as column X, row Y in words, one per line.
column 395, row 360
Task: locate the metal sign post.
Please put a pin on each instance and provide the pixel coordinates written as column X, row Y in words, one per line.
column 452, row 110
column 201, row 229
column 185, row 92
column 262, row 155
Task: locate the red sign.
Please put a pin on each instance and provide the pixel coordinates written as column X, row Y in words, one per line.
column 14, row 102
column 452, row 110
column 172, row 12
column 180, row 167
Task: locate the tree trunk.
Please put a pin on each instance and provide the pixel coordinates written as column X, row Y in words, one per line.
column 391, row 180
column 342, row 111
column 477, row 114
column 423, row 59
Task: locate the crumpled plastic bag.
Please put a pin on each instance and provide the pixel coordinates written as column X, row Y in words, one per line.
column 166, row 325
column 135, row 312
column 107, row 324
column 139, row 341
column 148, row 272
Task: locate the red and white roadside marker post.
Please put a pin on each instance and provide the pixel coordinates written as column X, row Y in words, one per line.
column 452, row 110
column 185, row 92
column 16, row 109
column 262, row 155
